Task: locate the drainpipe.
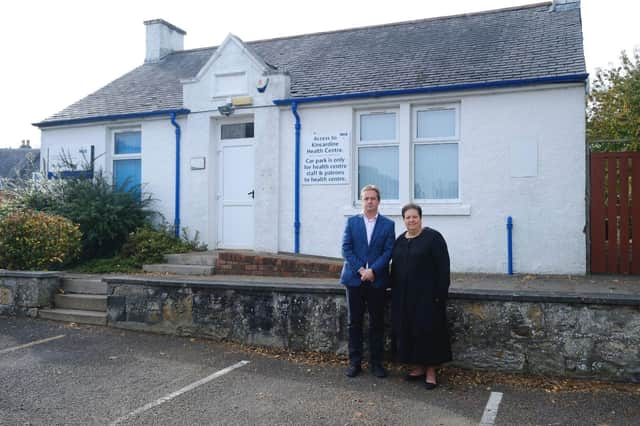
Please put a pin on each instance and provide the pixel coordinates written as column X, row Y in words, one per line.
column 296, row 223
column 176, row 221
column 510, row 244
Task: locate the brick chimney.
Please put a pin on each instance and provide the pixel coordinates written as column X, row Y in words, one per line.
column 162, row 39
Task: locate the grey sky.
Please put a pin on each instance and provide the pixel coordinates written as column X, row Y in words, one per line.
column 55, row 53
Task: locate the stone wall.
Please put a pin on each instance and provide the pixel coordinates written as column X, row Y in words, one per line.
column 23, row 293
column 571, row 336
column 562, row 339
column 288, row 316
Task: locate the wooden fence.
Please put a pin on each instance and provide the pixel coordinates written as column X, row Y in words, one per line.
column 615, row 212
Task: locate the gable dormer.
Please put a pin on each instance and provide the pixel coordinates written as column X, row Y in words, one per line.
column 234, row 71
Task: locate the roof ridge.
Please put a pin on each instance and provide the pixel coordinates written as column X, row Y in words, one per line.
column 413, row 21
column 365, row 27
column 391, row 24
column 195, row 49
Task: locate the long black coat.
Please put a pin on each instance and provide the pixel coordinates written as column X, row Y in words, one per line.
column 420, row 276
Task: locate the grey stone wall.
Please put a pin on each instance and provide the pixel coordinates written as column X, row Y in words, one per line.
column 560, row 339
column 559, row 336
column 294, row 317
column 23, row 293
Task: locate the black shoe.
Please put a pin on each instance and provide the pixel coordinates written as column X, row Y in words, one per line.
column 430, row 386
column 353, row 370
column 378, row 370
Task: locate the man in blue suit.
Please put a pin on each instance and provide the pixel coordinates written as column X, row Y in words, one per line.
column 366, row 247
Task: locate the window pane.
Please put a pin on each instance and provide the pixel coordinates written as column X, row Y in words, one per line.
column 126, row 174
column 436, row 171
column 378, row 127
column 236, row 131
column 437, row 123
column 379, row 166
column 127, row 143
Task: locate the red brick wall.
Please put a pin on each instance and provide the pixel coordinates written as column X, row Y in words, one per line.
column 239, row 263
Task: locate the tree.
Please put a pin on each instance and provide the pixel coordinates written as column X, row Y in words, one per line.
column 613, row 112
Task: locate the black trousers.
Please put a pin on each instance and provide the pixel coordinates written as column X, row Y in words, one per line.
column 372, row 299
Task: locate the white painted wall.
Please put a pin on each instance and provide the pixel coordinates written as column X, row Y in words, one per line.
column 548, row 209
column 71, row 140
column 159, row 164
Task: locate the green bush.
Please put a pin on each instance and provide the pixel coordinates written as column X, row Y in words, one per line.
column 32, row 240
column 106, row 214
column 149, row 245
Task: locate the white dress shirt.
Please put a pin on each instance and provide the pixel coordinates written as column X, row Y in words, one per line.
column 369, row 224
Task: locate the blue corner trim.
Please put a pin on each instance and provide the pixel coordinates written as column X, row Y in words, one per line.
column 176, row 221
column 43, row 124
column 572, row 78
column 296, row 223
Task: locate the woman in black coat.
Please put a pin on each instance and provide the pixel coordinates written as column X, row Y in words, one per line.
column 420, row 277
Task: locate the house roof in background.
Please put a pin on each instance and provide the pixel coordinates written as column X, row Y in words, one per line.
column 522, row 43
column 18, row 162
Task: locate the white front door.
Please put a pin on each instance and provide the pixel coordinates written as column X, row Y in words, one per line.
column 236, row 189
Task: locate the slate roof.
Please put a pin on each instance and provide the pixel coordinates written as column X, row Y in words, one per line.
column 18, row 162
column 525, row 42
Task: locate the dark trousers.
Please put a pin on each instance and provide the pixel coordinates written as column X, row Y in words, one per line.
column 358, row 299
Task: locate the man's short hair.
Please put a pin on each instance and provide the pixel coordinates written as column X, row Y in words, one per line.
column 370, row 188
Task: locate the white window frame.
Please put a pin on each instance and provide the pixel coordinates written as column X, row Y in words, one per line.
column 415, row 141
column 115, row 157
column 220, row 90
column 378, row 143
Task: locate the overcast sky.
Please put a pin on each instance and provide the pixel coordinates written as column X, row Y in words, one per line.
column 56, row 52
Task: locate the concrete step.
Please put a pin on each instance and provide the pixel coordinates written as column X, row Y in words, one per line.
column 74, row 315
column 207, row 258
column 85, row 302
column 179, row 269
column 84, row 285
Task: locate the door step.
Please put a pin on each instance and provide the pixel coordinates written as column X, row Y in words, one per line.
column 84, row 285
column 84, row 302
column 207, row 258
column 74, row 315
column 167, row 268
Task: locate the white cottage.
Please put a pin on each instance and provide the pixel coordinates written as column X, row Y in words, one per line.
column 264, row 145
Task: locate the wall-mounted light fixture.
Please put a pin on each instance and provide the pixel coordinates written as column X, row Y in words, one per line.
column 226, row 109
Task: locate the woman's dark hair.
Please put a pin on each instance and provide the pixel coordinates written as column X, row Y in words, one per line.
column 411, row 206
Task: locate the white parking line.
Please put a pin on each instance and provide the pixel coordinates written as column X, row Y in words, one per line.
column 178, row 392
column 26, row 345
column 491, row 409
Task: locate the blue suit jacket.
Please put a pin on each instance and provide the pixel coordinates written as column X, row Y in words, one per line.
column 357, row 253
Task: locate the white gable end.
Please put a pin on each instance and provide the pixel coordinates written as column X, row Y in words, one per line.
column 232, row 52
column 233, row 70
